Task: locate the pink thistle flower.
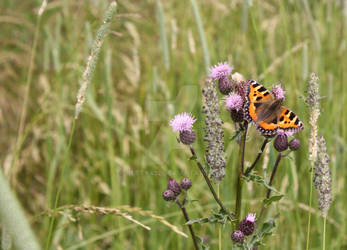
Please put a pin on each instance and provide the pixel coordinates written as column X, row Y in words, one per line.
column 234, row 102
column 282, row 132
column 221, row 70
column 182, row 122
column 250, row 218
column 247, row 225
column 278, row 92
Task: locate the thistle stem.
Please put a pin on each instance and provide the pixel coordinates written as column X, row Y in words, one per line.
column 185, row 214
column 279, row 157
column 239, row 174
column 248, row 170
column 202, row 170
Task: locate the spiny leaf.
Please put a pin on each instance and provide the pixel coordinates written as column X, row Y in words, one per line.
column 259, row 180
column 236, row 134
column 265, row 230
column 200, row 221
column 272, row 199
column 193, row 158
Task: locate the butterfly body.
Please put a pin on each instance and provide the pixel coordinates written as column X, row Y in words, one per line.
column 267, row 112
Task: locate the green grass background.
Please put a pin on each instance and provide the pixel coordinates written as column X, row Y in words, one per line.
column 152, row 66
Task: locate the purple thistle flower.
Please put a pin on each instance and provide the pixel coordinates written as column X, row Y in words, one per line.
column 282, row 132
column 182, row 122
column 234, row 102
column 221, row 70
column 250, row 218
column 247, row 225
column 278, row 92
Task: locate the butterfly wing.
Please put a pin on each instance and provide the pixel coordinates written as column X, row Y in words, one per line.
column 288, row 121
column 267, row 128
column 258, row 101
column 268, row 118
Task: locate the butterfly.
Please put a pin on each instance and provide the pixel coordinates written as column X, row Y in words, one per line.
column 267, row 112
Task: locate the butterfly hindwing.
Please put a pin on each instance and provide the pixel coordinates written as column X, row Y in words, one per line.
column 288, row 121
column 267, row 128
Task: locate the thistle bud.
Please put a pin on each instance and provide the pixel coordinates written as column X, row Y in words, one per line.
column 174, row 187
column 281, row 143
column 247, row 225
column 238, row 236
column 225, row 86
column 236, row 116
column 186, row 183
column 168, row 195
column 294, row 144
column 187, row 136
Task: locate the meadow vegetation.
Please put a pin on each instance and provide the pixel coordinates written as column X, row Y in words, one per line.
column 152, row 65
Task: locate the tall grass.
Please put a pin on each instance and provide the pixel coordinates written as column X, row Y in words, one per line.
column 122, row 151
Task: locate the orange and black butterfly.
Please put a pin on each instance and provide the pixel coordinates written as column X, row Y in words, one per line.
column 267, row 112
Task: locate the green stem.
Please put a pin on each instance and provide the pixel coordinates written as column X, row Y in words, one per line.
column 239, row 174
column 248, row 170
column 279, row 158
column 60, row 187
column 309, row 213
column 324, row 231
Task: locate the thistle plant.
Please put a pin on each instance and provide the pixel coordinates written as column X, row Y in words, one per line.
column 249, row 232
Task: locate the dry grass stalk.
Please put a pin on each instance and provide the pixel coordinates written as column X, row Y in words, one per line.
column 93, row 57
column 90, row 209
column 151, row 214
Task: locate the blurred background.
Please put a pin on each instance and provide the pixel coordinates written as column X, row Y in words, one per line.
column 152, row 65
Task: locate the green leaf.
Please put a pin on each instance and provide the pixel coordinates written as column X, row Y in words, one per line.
column 236, row 134
column 220, row 217
column 200, row 221
column 193, row 158
column 267, row 227
column 264, row 231
column 272, row 199
column 259, row 180
column 204, row 245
